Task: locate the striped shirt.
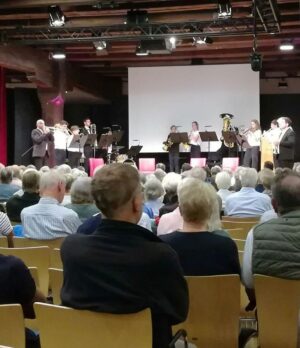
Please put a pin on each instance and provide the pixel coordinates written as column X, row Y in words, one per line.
column 48, row 220
column 5, row 226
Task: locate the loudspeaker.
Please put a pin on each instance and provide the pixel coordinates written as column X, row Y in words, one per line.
column 256, row 62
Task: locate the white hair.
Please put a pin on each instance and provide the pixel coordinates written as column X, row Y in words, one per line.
column 40, row 121
column 196, row 173
column 296, row 167
column 266, row 177
column 248, row 177
column 44, row 169
column 64, row 169
column 81, row 191
column 51, row 179
column 78, row 173
column 160, row 174
column 223, row 180
column 153, row 189
column 170, row 182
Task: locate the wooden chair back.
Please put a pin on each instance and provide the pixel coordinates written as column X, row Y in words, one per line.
column 254, row 219
column 12, row 328
column 3, row 242
column 38, row 257
column 240, row 244
column 278, row 305
column 63, row 327
column 55, row 259
column 35, row 275
column 26, row 242
column 237, row 233
column 56, row 277
column 245, row 226
column 213, row 319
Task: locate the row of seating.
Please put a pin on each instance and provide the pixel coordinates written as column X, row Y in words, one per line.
column 213, row 319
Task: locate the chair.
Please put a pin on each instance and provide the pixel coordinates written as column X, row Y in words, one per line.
column 198, row 162
column 241, row 257
column 237, row 233
column 94, row 163
column 3, row 242
column 38, row 257
column 240, row 244
column 213, row 318
column 241, row 219
column 55, row 259
column 245, row 226
column 63, row 327
column 56, row 277
column 34, row 273
column 230, row 163
column 12, row 327
column 27, row 242
column 278, row 304
column 147, row 165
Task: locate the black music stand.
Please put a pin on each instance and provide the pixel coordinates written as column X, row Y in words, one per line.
column 175, row 138
column 208, row 136
column 91, row 140
column 117, row 136
column 184, row 138
column 134, row 151
column 78, row 140
column 242, row 141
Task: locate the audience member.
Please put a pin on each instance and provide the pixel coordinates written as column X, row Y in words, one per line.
column 7, row 189
column 6, row 229
column 154, row 193
column 266, row 177
column 273, row 248
column 30, row 187
column 17, row 175
column 185, row 167
column 82, row 201
column 269, row 165
column 69, row 181
column 159, row 174
column 122, row 267
column 170, row 183
column 223, row 182
column 161, row 166
column 247, row 202
column 201, row 252
column 48, row 219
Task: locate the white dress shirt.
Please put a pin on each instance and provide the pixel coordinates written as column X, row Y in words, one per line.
column 60, row 139
column 254, row 138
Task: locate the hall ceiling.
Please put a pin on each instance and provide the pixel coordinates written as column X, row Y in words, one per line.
column 25, row 22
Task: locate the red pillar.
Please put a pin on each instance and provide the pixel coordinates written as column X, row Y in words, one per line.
column 3, row 118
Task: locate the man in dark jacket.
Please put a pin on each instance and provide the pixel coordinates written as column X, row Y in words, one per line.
column 286, row 143
column 122, row 267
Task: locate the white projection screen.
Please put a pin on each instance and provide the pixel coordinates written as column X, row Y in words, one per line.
column 162, row 96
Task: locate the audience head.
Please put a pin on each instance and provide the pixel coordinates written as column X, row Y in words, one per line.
column 196, row 200
column 64, row 169
column 6, row 175
column 153, row 189
column 17, row 173
column 278, row 171
column 197, row 173
column 161, row 166
column 248, row 177
column 31, row 181
column 159, row 174
column 286, row 193
column 69, row 181
column 53, row 184
column 76, row 172
column 170, row 182
column 44, row 169
column 296, row 167
column 185, row 167
column 215, row 170
column 117, row 192
column 269, row 165
column 284, row 122
column 31, row 166
column 223, row 180
column 266, row 178
column 81, row 191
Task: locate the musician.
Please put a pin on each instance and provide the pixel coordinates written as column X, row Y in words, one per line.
column 43, row 145
column 173, row 152
column 74, row 149
column 273, row 135
column 194, row 140
column 87, row 149
column 286, row 143
column 61, row 136
column 253, row 135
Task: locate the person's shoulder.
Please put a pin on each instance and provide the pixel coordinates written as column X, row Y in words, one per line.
column 13, row 263
column 67, row 211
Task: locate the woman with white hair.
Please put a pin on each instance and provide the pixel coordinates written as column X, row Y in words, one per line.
column 154, row 192
column 170, row 183
column 82, row 201
column 223, row 182
column 200, row 251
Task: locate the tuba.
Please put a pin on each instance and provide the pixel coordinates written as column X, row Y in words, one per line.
column 226, row 128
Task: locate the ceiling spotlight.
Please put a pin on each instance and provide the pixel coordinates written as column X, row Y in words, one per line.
column 100, row 45
column 224, row 9
column 141, row 52
column 286, row 46
column 56, row 16
column 203, row 40
column 58, row 55
column 173, row 41
column 256, row 61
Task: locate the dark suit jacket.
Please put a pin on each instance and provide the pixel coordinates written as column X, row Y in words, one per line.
column 40, row 142
column 16, row 204
column 124, row 268
column 287, row 145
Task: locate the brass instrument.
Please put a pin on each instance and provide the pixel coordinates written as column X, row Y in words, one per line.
column 226, row 128
column 167, row 144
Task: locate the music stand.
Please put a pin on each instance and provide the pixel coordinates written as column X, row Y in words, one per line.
column 184, row 137
column 117, row 136
column 175, row 138
column 78, row 140
column 242, row 141
column 208, row 136
column 134, row 151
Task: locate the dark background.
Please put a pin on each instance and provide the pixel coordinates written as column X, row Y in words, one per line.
column 24, row 109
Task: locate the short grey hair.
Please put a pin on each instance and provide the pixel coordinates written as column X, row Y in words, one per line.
column 223, row 180
column 81, row 191
column 248, row 177
column 170, row 182
column 215, row 170
column 196, row 173
column 160, row 174
column 153, row 189
column 6, row 175
column 51, row 179
column 266, row 177
column 44, row 169
column 31, row 180
column 64, row 169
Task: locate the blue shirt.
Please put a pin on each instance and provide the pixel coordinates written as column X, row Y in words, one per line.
column 7, row 191
column 247, row 202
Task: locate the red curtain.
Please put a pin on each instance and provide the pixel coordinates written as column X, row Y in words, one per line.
column 3, row 119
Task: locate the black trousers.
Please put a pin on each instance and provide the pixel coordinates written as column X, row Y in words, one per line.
column 174, row 162
column 88, row 153
column 285, row 163
column 60, row 156
column 74, row 159
column 39, row 162
column 251, row 157
column 195, row 151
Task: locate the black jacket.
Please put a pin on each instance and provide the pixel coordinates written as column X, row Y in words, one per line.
column 287, row 145
column 16, row 204
column 124, row 268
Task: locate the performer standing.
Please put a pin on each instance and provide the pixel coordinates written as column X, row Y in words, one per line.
column 74, row 151
column 173, row 151
column 273, row 135
column 88, row 149
column 194, row 139
column 61, row 136
column 286, row 143
column 43, row 145
column 253, row 135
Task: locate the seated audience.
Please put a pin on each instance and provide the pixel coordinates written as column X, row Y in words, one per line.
column 161, row 166
column 122, row 267
column 17, row 175
column 6, row 229
column 30, row 196
column 269, row 165
column 201, row 252
column 266, row 177
column 48, row 219
column 69, row 181
column 159, row 174
column 223, row 182
column 7, row 189
column 170, row 183
column 82, row 201
column 185, row 167
column 154, row 193
column 273, row 248
column 247, row 202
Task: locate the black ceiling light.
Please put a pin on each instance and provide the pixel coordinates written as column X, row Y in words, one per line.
column 56, row 17
column 255, row 58
column 224, row 9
